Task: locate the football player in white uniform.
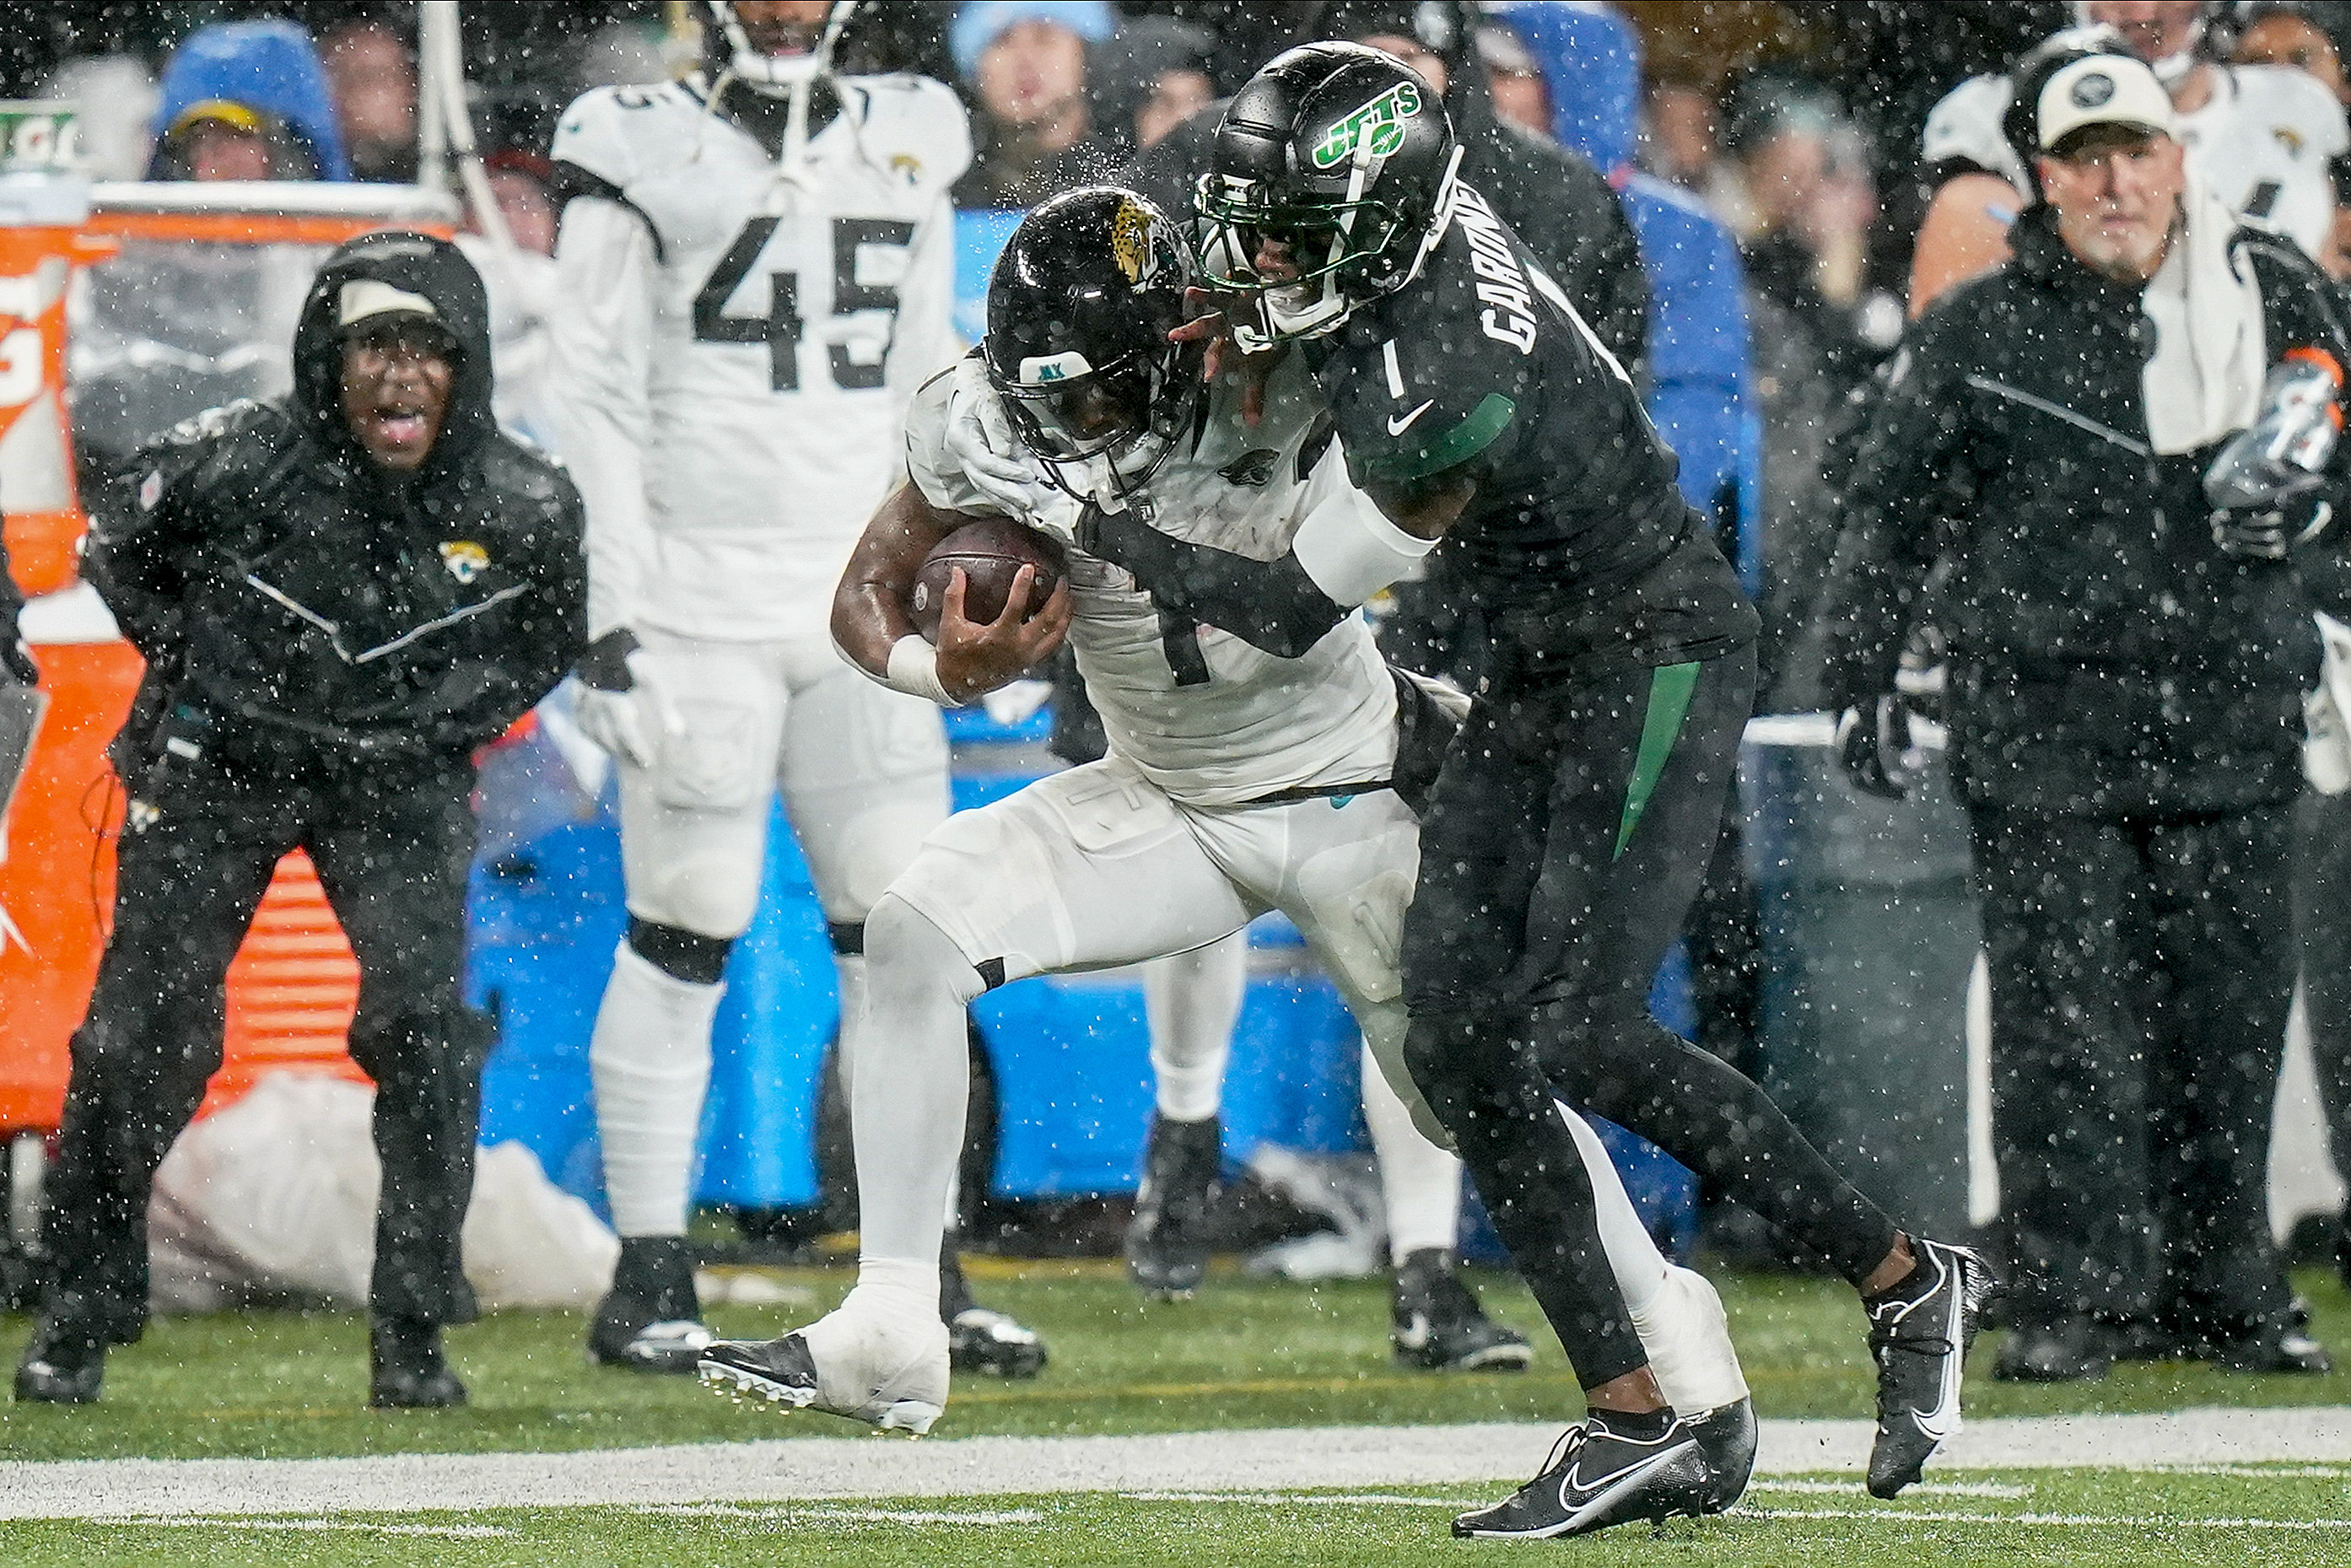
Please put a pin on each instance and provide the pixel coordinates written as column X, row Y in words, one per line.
column 1238, row 781
column 756, row 272
column 2265, row 136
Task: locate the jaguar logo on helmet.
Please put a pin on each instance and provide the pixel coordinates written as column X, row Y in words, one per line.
column 1377, row 126
column 1132, row 243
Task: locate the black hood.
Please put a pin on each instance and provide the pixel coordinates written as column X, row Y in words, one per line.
column 414, row 264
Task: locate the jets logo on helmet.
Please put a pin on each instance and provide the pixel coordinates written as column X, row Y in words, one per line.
column 1078, row 309
column 1377, row 128
column 1332, row 174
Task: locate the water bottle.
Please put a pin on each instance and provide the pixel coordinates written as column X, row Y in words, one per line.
column 2290, row 441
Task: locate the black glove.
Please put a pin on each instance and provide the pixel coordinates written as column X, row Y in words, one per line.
column 605, row 664
column 16, row 658
column 1873, row 747
column 2273, row 529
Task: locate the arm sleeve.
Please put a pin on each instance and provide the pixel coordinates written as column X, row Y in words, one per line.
column 1907, row 456
column 143, row 521
column 1272, row 605
column 600, row 356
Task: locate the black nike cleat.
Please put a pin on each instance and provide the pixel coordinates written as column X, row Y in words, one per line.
column 1596, row 1477
column 63, row 1365
column 405, row 1367
column 1435, row 1320
column 651, row 1320
column 889, row 1374
column 1919, row 1332
column 1728, row 1435
column 978, row 1339
column 1167, row 1240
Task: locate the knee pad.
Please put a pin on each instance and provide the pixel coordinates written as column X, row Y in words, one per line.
column 680, row 954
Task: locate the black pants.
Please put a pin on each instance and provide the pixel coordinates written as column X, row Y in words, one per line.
column 1567, row 836
column 2322, row 912
column 390, row 843
column 2139, row 988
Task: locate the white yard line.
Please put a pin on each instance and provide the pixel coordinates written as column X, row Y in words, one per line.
column 1354, row 1458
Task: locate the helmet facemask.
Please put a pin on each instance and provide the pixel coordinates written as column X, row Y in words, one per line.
column 1343, row 252
column 1101, row 432
column 778, row 75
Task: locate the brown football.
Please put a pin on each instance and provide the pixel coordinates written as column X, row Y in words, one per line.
column 990, row 552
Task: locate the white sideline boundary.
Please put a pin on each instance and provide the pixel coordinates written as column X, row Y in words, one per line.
column 807, row 1469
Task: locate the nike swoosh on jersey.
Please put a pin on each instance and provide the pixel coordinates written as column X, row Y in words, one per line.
column 1399, row 423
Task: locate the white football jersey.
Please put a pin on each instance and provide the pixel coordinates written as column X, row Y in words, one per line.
column 2265, row 140
column 736, row 342
column 1206, row 718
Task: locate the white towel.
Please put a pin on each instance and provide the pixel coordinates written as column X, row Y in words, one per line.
column 2204, row 382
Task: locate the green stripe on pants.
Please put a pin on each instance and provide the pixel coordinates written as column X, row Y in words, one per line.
column 1670, row 700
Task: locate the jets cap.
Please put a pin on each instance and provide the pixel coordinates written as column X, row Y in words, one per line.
column 2103, row 89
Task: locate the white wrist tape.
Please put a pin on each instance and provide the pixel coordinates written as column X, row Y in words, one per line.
column 1352, row 551
column 915, row 670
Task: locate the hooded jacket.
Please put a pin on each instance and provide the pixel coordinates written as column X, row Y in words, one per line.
column 2106, row 658
column 299, row 601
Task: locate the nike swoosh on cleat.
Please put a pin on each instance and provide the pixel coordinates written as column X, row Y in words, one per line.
column 1399, row 423
column 1614, row 1489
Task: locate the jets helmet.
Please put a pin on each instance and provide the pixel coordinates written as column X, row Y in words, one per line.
column 1344, row 157
column 1078, row 309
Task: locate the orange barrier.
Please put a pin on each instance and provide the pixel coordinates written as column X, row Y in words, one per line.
column 294, row 984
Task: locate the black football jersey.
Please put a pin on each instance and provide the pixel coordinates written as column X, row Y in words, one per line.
column 1481, row 361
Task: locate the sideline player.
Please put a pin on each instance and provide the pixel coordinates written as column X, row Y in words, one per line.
column 1236, row 782
column 1577, row 810
column 2267, row 137
column 756, row 270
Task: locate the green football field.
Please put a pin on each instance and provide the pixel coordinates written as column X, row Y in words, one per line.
column 1245, row 1354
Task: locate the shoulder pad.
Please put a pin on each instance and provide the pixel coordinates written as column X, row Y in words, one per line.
column 2290, row 100
column 594, row 132
column 1965, row 126
column 918, row 120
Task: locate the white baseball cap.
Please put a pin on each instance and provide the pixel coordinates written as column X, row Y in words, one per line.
column 2104, row 89
column 365, row 296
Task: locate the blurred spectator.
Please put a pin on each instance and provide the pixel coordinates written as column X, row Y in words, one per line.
column 1025, row 61
column 519, row 181
column 114, row 113
column 374, row 80
column 1801, row 204
column 1521, row 97
column 1150, row 77
column 246, row 100
column 1680, row 133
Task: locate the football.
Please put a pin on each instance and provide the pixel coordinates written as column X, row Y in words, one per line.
column 990, row 553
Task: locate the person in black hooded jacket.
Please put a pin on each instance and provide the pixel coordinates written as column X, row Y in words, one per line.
column 339, row 594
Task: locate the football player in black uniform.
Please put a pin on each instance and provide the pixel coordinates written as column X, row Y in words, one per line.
column 1575, row 814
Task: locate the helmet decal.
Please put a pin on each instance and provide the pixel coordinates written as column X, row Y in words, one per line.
column 1377, row 126
column 1131, row 242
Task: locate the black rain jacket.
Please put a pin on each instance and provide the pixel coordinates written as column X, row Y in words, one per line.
column 298, row 600
column 2106, row 658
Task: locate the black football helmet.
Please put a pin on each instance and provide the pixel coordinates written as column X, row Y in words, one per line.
column 1078, row 309
column 1344, row 156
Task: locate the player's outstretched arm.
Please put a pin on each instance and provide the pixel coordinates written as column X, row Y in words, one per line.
column 874, row 630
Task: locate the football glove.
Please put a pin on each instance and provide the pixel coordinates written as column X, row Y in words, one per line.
column 620, row 707
column 2273, row 528
column 979, row 437
column 1874, row 748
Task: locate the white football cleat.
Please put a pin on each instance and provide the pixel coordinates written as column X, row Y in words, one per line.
column 850, row 1362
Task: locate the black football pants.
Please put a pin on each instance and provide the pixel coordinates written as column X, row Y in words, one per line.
column 390, row 843
column 2321, row 887
column 2140, row 980
column 1565, row 840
